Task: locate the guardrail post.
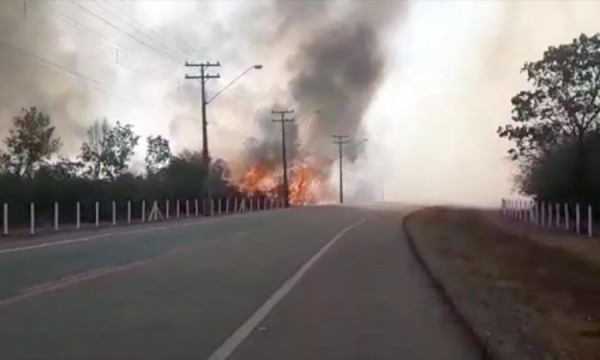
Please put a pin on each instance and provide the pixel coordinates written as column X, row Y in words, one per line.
column 187, row 208
column 590, row 229
column 32, row 218
column 220, row 206
column 212, row 206
column 167, row 210
column 143, row 211
column 550, row 222
column 97, row 214
column 557, row 215
column 78, row 215
column 177, row 214
column 566, row 216
column 227, row 205
column 128, row 212
column 543, row 213
column 114, row 213
column 196, row 207
column 56, row 216
column 5, row 219
column 577, row 219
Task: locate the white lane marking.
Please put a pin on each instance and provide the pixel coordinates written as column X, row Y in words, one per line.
column 43, row 288
column 108, row 234
column 243, row 331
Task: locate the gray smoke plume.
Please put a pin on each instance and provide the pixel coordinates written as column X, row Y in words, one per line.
column 339, row 64
column 266, row 148
column 29, row 39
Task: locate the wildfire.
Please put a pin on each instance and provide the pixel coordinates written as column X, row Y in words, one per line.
column 306, row 183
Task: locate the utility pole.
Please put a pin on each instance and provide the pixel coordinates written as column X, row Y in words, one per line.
column 203, row 77
column 341, row 140
column 283, row 120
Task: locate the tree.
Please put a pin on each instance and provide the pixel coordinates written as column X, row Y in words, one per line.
column 123, row 143
column 108, row 149
column 30, row 143
column 563, row 106
column 158, row 154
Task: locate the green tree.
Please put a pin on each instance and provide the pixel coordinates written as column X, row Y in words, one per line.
column 30, row 143
column 562, row 106
column 158, row 154
column 108, row 149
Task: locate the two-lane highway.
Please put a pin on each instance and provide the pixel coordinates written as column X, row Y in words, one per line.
column 310, row 283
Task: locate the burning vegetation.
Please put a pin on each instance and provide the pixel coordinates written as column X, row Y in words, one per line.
column 307, row 183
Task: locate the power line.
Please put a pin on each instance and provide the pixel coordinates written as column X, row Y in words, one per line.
column 167, row 54
column 92, row 34
column 84, row 78
column 141, row 29
column 63, row 69
column 131, row 20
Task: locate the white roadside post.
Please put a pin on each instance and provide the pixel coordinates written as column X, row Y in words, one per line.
column 212, row 206
column 32, row 218
column 114, row 213
column 167, row 210
column 577, row 219
column 187, row 208
column 220, row 206
column 56, row 216
column 128, row 212
column 204, row 213
column 532, row 211
column 566, row 216
column 522, row 210
column 227, row 205
column 177, row 214
column 590, row 230
column 543, row 213
column 97, row 214
column 5, row 219
column 251, row 204
column 143, row 211
column 196, row 207
column 78, row 215
column 550, row 222
column 558, row 215
column 235, row 205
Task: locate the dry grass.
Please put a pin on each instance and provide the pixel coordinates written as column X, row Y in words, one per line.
column 555, row 281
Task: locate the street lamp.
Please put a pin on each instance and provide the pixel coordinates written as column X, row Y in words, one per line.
column 253, row 67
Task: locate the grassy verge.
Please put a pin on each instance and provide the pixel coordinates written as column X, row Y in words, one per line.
column 527, row 299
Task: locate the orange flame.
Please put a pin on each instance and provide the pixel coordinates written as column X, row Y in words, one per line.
column 306, row 184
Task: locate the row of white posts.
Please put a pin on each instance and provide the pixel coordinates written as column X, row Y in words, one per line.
column 551, row 215
column 211, row 207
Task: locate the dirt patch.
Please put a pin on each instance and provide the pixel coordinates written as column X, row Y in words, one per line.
column 528, row 299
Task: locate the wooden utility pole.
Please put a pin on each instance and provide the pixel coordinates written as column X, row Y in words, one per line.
column 203, row 77
column 283, row 120
column 341, row 140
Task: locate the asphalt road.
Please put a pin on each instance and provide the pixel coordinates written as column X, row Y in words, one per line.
column 310, row 283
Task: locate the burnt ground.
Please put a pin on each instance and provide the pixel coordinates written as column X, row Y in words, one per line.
column 527, row 294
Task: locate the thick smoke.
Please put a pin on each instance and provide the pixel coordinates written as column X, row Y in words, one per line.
column 338, row 65
column 27, row 30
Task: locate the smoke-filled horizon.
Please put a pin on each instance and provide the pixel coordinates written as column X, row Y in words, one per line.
column 427, row 82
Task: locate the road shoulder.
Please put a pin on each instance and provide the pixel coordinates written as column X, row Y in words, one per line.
column 524, row 299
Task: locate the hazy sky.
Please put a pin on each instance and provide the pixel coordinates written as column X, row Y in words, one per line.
column 431, row 110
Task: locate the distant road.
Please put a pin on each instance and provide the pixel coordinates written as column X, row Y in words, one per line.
column 309, row 283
